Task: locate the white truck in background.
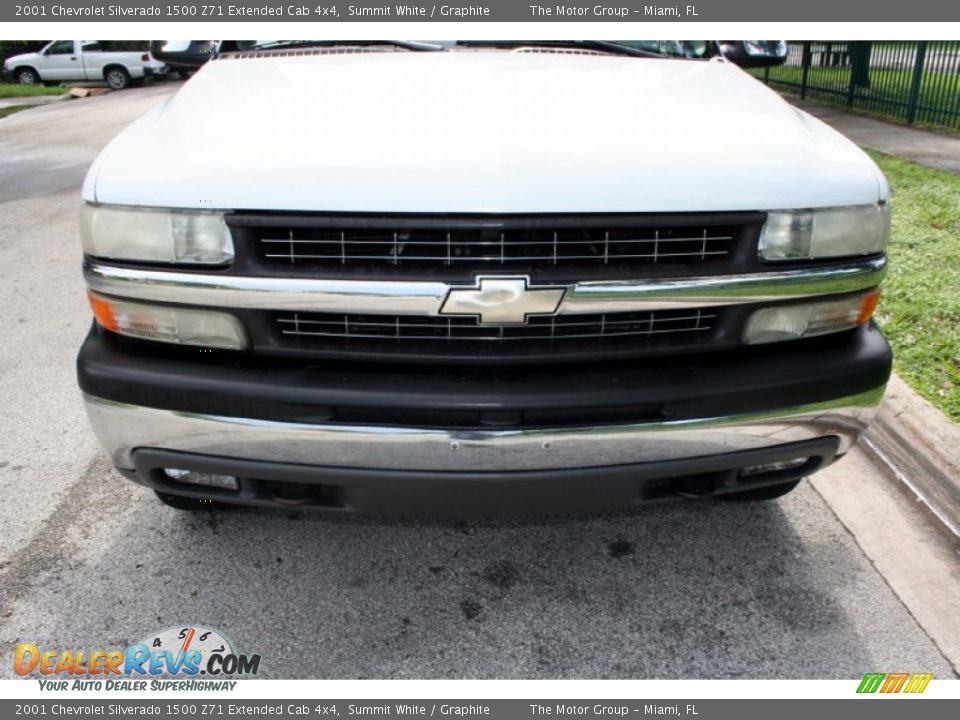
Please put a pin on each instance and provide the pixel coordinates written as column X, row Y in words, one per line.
column 78, row 60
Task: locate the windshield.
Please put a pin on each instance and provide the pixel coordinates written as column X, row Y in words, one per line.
column 693, row 49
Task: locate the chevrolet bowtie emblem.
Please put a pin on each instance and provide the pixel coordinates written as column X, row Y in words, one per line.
column 502, row 300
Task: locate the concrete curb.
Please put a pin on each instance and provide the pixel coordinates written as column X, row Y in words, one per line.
column 34, row 100
column 920, row 448
column 913, row 441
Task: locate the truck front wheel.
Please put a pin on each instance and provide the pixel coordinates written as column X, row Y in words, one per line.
column 117, row 78
column 27, row 76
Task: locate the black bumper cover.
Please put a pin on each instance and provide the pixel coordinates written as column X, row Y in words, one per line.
column 239, row 385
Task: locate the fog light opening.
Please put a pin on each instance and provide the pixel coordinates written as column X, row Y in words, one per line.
column 773, row 467
column 193, row 477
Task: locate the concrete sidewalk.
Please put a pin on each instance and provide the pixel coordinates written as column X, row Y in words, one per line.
column 925, row 147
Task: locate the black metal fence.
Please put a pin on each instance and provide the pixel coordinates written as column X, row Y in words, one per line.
column 912, row 82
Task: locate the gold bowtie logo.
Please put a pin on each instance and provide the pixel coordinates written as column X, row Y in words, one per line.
column 502, row 300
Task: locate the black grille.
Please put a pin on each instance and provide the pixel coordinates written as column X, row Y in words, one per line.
column 571, row 247
column 495, row 248
column 561, row 336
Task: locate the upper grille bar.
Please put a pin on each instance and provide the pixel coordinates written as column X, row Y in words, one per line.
column 490, row 222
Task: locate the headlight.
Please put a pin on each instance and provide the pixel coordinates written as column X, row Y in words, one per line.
column 167, row 323
column 792, row 322
column 831, row 232
column 171, row 236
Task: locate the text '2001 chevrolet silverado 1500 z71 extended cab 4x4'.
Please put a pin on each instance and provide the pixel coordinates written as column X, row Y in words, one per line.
column 398, row 278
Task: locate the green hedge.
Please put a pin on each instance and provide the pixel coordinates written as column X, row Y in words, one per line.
column 15, row 47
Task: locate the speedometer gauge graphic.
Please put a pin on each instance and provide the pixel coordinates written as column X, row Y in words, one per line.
column 187, row 641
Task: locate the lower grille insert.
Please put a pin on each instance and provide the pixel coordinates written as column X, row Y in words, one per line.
column 557, row 334
column 553, row 328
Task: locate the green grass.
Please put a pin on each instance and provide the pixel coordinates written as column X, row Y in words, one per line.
column 8, row 90
column 920, row 308
column 11, row 109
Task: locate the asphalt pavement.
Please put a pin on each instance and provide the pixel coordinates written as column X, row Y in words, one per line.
column 787, row 589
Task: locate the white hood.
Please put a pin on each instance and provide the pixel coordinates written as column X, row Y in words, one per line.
column 481, row 132
column 14, row 60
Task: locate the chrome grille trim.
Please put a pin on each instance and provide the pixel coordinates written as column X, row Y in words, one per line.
column 392, row 297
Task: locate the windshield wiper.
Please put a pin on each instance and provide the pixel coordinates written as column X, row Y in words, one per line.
column 599, row 45
column 403, row 44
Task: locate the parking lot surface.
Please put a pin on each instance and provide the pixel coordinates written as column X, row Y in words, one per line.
column 90, row 560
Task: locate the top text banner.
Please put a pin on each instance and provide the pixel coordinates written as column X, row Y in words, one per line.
column 489, row 11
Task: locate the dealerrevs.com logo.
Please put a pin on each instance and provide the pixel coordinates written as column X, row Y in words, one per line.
column 187, row 652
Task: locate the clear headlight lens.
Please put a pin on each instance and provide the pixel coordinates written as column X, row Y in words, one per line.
column 185, row 326
column 830, row 232
column 152, row 235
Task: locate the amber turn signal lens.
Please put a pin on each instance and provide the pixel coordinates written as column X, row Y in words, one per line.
column 868, row 306
column 809, row 319
column 103, row 311
column 166, row 323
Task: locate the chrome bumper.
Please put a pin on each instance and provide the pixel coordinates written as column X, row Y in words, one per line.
column 122, row 429
column 427, row 298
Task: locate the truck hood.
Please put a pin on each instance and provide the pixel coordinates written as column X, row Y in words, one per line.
column 506, row 132
column 14, row 60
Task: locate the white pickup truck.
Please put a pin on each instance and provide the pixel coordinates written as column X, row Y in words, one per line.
column 480, row 278
column 72, row 60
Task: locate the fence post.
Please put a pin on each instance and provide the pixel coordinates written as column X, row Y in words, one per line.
column 851, row 85
column 860, row 51
column 805, row 59
column 914, row 98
